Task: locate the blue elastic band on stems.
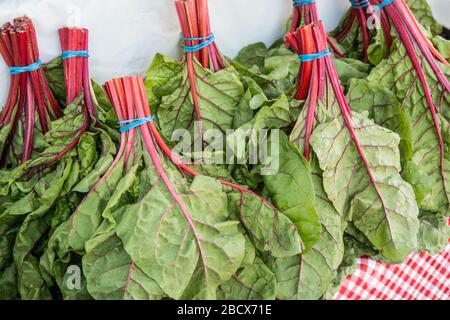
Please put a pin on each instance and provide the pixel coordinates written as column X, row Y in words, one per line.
column 208, row 40
column 74, row 54
column 32, row 67
column 131, row 124
column 313, row 56
column 383, row 4
column 360, row 4
column 299, row 3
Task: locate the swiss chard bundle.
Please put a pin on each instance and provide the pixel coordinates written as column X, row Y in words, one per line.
column 82, row 217
column 368, row 31
column 196, row 102
column 74, row 45
column 409, row 93
column 305, row 12
column 30, row 106
column 151, row 219
column 41, row 193
column 359, row 160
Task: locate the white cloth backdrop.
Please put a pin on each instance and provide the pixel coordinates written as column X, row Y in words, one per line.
column 125, row 34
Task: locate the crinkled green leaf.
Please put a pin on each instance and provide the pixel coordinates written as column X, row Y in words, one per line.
column 31, row 284
column 291, row 190
column 94, row 163
column 270, row 230
column 219, row 94
column 163, row 77
column 348, row 69
column 253, row 56
column 398, row 75
column 383, row 107
column 434, row 233
column 384, row 209
column 196, row 251
column 424, row 15
column 8, row 284
column 254, row 282
column 308, row 276
column 112, row 275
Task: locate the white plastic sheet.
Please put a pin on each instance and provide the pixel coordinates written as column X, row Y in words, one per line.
column 126, row 34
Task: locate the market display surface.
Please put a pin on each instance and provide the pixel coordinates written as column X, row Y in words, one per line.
column 265, row 176
column 421, row 277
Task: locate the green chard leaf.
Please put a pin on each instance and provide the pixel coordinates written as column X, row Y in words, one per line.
column 269, row 229
column 309, row 275
column 422, row 164
column 164, row 76
column 292, row 191
column 188, row 248
column 253, row 56
column 112, row 275
column 374, row 196
column 424, row 15
column 8, row 284
column 383, row 107
column 253, row 282
column 219, row 95
column 31, row 284
column 434, row 233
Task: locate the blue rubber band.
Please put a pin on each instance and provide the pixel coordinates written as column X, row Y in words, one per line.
column 299, row 3
column 131, row 124
column 74, row 54
column 313, row 56
column 383, row 4
column 360, row 4
column 206, row 42
column 32, row 67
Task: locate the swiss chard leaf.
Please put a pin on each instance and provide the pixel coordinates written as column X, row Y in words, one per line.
column 424, row 15
column 292, row 192
column 112, row 275
column 429, row 177
column 308, row 276
column 375, row 197
column 253, row 282
column 219, row 95
column 207, row 247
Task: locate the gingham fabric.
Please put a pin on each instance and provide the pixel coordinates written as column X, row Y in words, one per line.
column 422, row 277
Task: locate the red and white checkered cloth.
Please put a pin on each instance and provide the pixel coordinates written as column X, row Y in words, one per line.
column 422, row 277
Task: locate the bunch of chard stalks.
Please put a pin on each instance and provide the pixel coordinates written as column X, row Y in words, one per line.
column 129, row 99
column 76, row 74
column 30, row 104
column 419, row 50
column 317, row 78
column 196, row 29
column 305, row 12
column 360, row 13
column 390, row 15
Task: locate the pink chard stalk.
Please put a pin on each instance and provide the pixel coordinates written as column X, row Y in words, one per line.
column 75, row 53
column 30, row 104
column 305, row 12
column 199, row 44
